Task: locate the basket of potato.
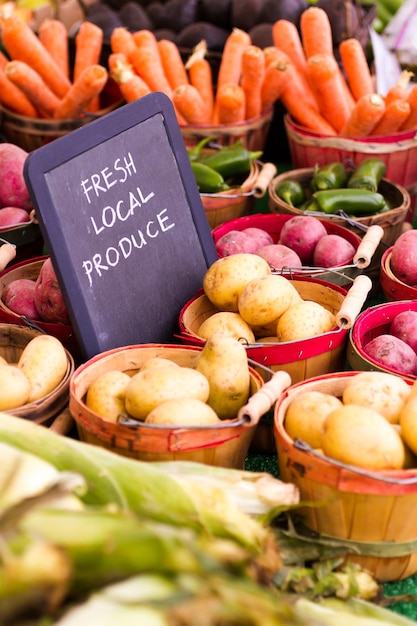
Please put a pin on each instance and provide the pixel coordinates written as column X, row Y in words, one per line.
column 348, row 440
column 35, row 369
column 158, row 402
column 298, row 325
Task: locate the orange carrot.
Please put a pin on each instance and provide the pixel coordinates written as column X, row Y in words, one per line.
column 253, row 72
column 286, row 37
column 84, row 89
column 231, row 62
column 324, row 74
column 13, row 98
column 88, row 47
column 121, row 40
column 146, row 60
column 275, row 79
column 273, row 54
column 145, row 37
column 316, row 32
column 230, row 102
column 22, row 44
column 131, row 85
column 200, row 75
column 396, row 113
column 411, row 121
column 356, row 67
column 32, row 85
column 54, row 37
column 400, row 90
column 172, row 63
column 365, row 115
column 3, row 60
column 190, row 105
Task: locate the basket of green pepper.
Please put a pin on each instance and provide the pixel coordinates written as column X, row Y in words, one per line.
column 229, row 178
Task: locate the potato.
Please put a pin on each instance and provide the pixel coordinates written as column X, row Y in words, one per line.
column 14, row 387
column 301, row 233
column 225, row 278
column 408, row 423
column 106, row 394
column 404, row 326
column 404, row 257
column 306, row 414
column 44, row 362
column 304, row 319
column 380, row 391
column 182, row 412
column 333, row 251
column 279, row 256
column 393, row 353
column 264, row 299
column 226, row 323
column 149, row 388
column 158, row 361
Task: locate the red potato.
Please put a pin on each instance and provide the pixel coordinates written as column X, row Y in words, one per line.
column 333, row 251
column 302, row 233
column 279, row 256
column 13, row 189
column 234, row 242
column 49, row 300
column 258, row 236
column 19, row 297
column 404, row 257
column 404, row 326
column 11, row 215
column 393, row 353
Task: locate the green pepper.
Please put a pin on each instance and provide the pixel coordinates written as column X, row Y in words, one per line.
column 367, row 175
column 352, row 201
column 330, row 176
column 194, row 153
column 232, row 160
column 291, row 191
column 207, row 179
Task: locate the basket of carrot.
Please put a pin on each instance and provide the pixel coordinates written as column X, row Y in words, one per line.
column 44, row 95
column 333, row 112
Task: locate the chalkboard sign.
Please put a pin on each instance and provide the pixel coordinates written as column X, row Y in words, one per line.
column 122, row 218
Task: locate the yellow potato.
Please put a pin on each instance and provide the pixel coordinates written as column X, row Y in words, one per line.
column 381, row 391
column 362, row 437
column 408, row 423
column 226, row 323
column 306, row 414
column 14, row 388
column 264, row 299
column 183, row 412
column 106, row 394
column 225, row 278
column 304, row 319
column 44, row 362
column 410, row 460
column 158, row 361
column 4, row 361
column 149, row 388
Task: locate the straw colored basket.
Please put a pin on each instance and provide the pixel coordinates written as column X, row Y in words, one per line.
column 223, row 445
column 392, row 287
column 13, row 341
column 369, row 513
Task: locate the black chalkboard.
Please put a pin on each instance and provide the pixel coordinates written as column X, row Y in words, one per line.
column 122, row 218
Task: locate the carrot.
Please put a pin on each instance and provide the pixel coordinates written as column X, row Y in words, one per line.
column 146, row 60
column 411, row 121
column 365, row 115
column 230, row 99
column 253, row 72
column 356, row 67
column 145, row 37
column 316, row 32
column 200, row 75
column 324, row 74
column 121, row 40
column 84, row 89
column 3, row 60
column 273, row 54
column 172, row 63
column 13, row 98
column 22, row 44
column 32, row 85
column 286, row 37
column 400, row 90
column 275, row 79
column 131, row 85
column 396, row 113
column 88, row 47
column 54, row 37
column 231, row 62
column 190, row 105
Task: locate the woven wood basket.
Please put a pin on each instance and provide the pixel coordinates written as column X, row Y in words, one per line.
column 13, row 341
column 368, row 515
column 393, row 288
column 223, row 445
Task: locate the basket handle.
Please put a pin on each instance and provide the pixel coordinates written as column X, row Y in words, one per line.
column 7, row 254
column 266, row 174
column 353, row 302
column 368, row 245
column 264, row 399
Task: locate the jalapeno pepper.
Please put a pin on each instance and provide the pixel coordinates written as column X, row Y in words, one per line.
column 291, row 191
column 330, row 176
column 367, row 175
column 207, row 179
column 194, row 153
column 232, row 160
column 352, row 201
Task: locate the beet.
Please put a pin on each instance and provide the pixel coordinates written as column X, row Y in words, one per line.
column 261, row 35
column 191, row 35
column 165, row 33
column 105, row 17
column 245, row 13
column 134, row 17
column 216, row 12
column 284, row 10
column 176, row 14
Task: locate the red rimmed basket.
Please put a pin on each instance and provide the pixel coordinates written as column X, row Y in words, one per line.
column 393, row 288
column 367, row 516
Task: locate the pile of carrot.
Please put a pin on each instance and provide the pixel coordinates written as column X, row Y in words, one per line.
column 35, row 77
